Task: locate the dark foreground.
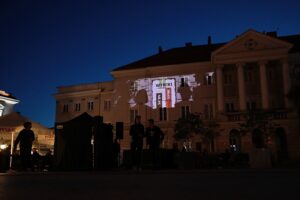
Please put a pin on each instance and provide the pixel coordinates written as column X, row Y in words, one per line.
column 210, row 184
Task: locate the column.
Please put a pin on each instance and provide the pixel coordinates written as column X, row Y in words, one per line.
column 286, row 81
column 220, row 92
column 263, row 85
column 241, row 86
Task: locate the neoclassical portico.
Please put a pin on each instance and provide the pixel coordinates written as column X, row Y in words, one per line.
column 251, row 47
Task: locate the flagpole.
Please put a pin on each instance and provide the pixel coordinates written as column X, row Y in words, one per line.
column 11, row 149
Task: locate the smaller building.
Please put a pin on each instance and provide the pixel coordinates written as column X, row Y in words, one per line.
column 11, row 123
column 7, row 102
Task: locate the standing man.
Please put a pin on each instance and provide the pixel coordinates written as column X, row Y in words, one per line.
column 154, row 138
column 137, row 133
column 25, row 138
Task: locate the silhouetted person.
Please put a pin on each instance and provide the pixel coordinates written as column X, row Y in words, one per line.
column 154, row 138
column 137, row 133
column 48, row 161
column 4, row 159
column 116, row 152
column 35, row 159
column 25, row 138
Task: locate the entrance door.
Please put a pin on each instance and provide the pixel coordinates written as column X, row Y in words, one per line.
column 281, row 144
column 235, row 141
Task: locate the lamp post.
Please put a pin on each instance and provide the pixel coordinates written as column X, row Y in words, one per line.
column 11, row 149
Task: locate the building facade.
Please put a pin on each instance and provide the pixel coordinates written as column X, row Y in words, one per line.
column 219, row 82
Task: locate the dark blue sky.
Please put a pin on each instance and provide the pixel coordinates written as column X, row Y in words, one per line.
column 49, row 43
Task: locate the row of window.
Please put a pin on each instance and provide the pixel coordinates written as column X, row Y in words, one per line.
column 185, row 112
column 90, row 106
column 249, row 76
column 208, row 80
column 229, row 107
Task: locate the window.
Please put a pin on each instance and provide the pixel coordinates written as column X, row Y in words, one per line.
column 185, row 111
column 90, row 106
column 229, row 107
column 133, row 114
column 183, row 82
column 258, row 140
column 133, row 86
column 272, row 74
column 249, row 77
column 77, row 107
column 208, row 111
column 66, row 108
column 212, row 145
column 107, row 105
column 251, row 105
column 162, row 114
column 208, row 78
column 227, row 78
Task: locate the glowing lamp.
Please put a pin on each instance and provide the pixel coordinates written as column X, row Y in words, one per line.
column 3, row 146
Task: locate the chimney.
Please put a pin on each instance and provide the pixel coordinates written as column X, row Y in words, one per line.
column 160, row 49
column 272, row 33
column 209, row 40
column 188, row 44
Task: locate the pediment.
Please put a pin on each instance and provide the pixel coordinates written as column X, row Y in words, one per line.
column 250, row 43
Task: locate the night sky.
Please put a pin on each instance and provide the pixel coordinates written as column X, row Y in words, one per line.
column 45, row 44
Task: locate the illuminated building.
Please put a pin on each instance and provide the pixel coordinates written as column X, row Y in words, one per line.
column 7, row 102
column 220, row 82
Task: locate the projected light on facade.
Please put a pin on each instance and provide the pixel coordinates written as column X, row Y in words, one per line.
column 161, row 91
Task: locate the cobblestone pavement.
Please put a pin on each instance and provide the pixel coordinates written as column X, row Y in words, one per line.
column 168, row 185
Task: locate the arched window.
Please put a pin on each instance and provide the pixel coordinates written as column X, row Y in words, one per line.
column 235, row 141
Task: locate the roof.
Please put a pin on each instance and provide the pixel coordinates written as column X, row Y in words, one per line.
column 15, row 119
column 293, row 39
column 190, row 54
column 6, row 95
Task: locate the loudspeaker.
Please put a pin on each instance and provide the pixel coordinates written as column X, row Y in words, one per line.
column 119, row 130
